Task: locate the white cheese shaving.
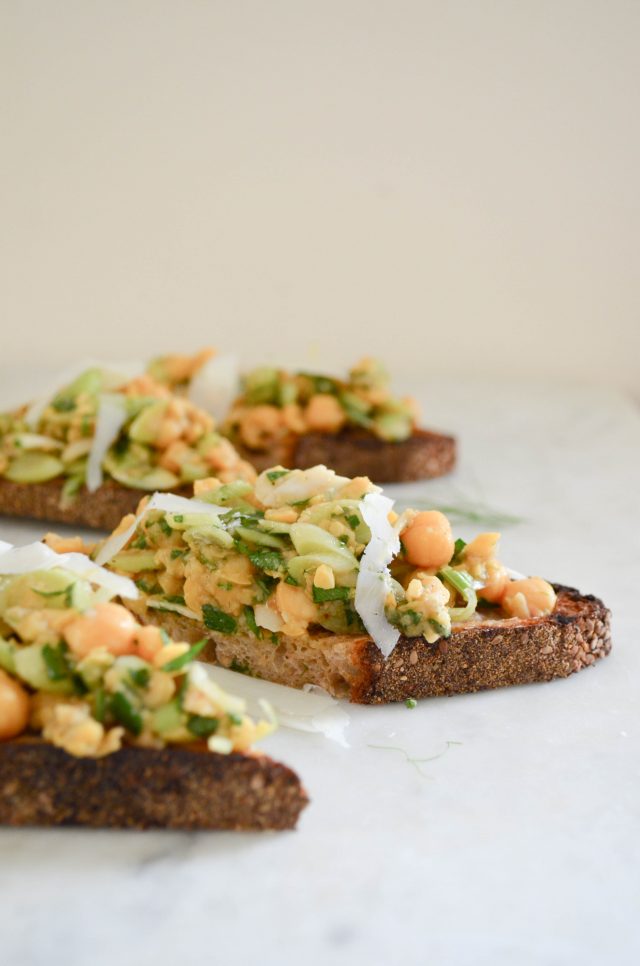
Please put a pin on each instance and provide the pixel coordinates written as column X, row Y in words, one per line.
column 174, row 608
column 267, row 618
column 169, row 503
column 297, row 485
column 374, row 579
column 112, row 414
column 311, row 710
column 38, row 556
column 116, row 373
column 215, row 386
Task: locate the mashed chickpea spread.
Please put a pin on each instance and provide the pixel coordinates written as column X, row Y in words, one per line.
column 159, row 439
column 307, row 549
column 80, row 671
column 275, row 403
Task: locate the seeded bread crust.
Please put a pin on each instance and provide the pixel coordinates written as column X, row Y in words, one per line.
column 101, row 510
column 478, row 655
column 183, row 787
column 357, row 453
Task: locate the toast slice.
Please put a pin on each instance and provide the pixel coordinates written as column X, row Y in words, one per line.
column 485, row 653
column 354, row 452
column 101, row 510
column 91, row 451
column 106, row 723
column 355, row 425
column 183, row 787
column 312, row 578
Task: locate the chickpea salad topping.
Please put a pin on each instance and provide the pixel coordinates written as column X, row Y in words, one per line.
column 134, row 431
column 79, row 670
column 275, row 403
column 305, row 550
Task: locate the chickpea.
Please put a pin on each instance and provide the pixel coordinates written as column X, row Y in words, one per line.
column 259, row 425
column 201, row 487
column 324, row 414
column 482, row 548
column 14, row 707
column 293, row 418
column 426, row 585
column 428, row 540
column 295, row 608
column 496, row 582
column 107, row 625
column 532, row 597
column 149, row 641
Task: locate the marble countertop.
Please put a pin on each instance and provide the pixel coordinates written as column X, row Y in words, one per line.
column 496, row 828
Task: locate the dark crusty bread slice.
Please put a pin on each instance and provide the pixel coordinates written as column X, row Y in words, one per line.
column 355, row 452
column 102, row 510
column 185, row 787
column 478, row 655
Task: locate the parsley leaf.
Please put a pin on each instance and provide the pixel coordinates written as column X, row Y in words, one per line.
column 217, row 620
column 320, row 594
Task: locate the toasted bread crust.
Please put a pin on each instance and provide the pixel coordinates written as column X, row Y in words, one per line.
column 488, row 654
column 102, row 510
column 357, row 453
column 183, row 787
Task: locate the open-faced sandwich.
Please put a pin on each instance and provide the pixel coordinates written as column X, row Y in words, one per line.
column 355, row 426
column 86, row 453
column 307, row 577
column 107, row 723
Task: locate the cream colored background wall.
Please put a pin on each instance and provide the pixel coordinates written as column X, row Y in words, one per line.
column 444, row 183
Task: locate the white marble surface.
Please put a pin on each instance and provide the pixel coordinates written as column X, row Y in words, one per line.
column 519, row 843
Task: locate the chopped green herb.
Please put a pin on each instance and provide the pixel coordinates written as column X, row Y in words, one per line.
column 291, row 580
column 140, row 543
column 121, row 447
column 148, row 588
column 175, row 599
column 352, row 520
column 234, row 719
column 63, row 404
column 99, row 704
column 79, row 685
column 240, row 666
column 274, row 475
column 178, row 517
column 217, row 620
column 225, row 584
column 275, row 640
column 458, row 547
column 267, row 559
column 164, row 526
column 124, row 712
column 175, row 553
column 250, row 619
column 265, row 584
column 411, row 703
column 179, row 662
column 201, row 726
column 413, row 616
column 55, row 662
column 140, row 676
column 439, row 628
column 320, row 594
